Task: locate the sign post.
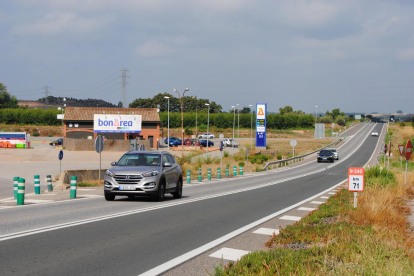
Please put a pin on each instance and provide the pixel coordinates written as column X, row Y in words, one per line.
column 60, row 156
column 389, row 154
column 356, row 182
column 408, row 151
column 99, row 145
column 293, row 143
column 385, row 153
column 401, row 150
column 221, row 136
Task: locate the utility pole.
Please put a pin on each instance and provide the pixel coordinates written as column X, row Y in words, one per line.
column 124, row 83
column 46, row 96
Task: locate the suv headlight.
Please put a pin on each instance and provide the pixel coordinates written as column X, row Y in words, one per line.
column 148, row 174
column 109, row 173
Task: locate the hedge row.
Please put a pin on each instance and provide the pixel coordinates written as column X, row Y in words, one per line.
column 30, row 117
column 219, row 120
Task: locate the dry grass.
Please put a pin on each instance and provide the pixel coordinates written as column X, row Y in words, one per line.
column 44, row 131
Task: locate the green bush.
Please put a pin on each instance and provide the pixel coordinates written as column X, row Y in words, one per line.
column 188, row 130
column 279, row 156
column 379, row 177
column 35, row 134
column 241, row 164
column 259, row 159
column 402, row 124
column 225, row 153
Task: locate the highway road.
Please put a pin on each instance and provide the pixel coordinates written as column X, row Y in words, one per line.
column 131, row 237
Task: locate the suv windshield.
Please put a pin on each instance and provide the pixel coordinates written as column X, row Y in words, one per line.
column 326, row 152
column 139, row 160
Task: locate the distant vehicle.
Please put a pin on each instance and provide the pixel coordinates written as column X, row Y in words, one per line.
column 176, row 143
column 374, row 133
column 152, row 173
column 229, row 142
column 206, row 136
column 204, row 143
column 335, row 152
column 171, row 139
column 58, row 142
column 326, row 156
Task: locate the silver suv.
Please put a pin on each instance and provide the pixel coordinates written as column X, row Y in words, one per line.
column 151, row 173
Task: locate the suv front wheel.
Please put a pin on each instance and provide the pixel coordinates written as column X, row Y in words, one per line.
column 161, row 192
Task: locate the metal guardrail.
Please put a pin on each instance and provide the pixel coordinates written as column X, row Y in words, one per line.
column 297, row 158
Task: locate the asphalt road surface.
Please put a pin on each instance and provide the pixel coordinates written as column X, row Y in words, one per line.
column 131, row 237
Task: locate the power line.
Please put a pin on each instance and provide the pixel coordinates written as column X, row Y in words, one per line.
column 124, row 83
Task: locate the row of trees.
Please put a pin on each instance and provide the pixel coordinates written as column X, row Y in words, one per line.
column 226, row 120
column 7, row 101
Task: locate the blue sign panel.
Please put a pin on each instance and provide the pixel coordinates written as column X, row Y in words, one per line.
column 261, row 111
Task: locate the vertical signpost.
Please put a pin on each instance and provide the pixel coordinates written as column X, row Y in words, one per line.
column 60, row 156
column 389, row 154
column 261, row 110
column 408, row 151
column 385, row 153
column 99, row 145
column 293, row 143
column 401, row 150
column 221, row 136
column 356, row 182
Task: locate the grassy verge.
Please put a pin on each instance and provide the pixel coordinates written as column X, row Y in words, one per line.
column 336, row 239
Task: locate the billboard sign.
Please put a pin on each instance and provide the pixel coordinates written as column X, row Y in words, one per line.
column 261, row 110
column 117, row 123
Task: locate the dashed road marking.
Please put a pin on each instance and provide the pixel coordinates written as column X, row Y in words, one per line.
column 291, row 218
column 324, row 197
column 229, row 254
column 306, row 209
column 267, row 231
column 317, row 202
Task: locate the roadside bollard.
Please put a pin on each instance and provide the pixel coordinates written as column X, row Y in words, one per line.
column 199, row 176
column 73, row 187
column 20, row 192
column 208, row 174
column 37, row 184
column 49, row 183
column 227, row 171
column 234, row 170
column 15, row 184
column 241, row 170
column 188, row 176
column 218, row 173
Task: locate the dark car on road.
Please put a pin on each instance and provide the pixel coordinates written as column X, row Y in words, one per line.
column 58, row 142
column 326, row 156
column 152, row 173
column 171, row 139
column 204, row 143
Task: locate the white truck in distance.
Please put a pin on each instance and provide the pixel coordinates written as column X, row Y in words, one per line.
column 229, row 142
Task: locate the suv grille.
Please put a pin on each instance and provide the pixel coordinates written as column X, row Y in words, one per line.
column 127, row 179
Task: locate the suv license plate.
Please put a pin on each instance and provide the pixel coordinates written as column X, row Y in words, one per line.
column 126, row 187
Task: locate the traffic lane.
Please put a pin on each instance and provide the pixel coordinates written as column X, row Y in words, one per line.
column 32, row 217
column 131, row 245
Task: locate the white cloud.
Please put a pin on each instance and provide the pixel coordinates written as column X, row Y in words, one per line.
column 57, row 23
column 153, row 49
column 406, row 54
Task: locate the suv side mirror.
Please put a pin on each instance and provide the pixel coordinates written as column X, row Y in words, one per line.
column 167, row 164
column 113, row 163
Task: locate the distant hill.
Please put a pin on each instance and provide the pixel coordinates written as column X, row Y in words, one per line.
column 54, row 102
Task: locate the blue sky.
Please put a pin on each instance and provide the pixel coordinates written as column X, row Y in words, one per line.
column 354, row 55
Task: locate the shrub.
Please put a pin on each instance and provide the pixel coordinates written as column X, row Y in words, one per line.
column 188, row 130
column 279, row 157
column 225, row 153
column 402, row 124
column 379, row 177
column 259, row 159
column 35, row 134
column 241, row 164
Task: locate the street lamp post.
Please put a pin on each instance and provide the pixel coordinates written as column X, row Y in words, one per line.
column 316, row 119
column 196, row 123
column 251, row 129
column 63, row 131
column 234, row 121
column 168, row 129
column 182, row 116
column 208, row 122
column 238, row 121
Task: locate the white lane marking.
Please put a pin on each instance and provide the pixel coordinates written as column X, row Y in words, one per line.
column 267, row 231
column 324, row 197
column 294, row 218
column 331, row 193
column 306, row 209
column 90, row 196
column 195, row 252
column 229, row 254
column 317, row 202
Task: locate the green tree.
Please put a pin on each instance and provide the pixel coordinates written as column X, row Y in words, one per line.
column 7, row 101
column 286, row 109
column 399, row 112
